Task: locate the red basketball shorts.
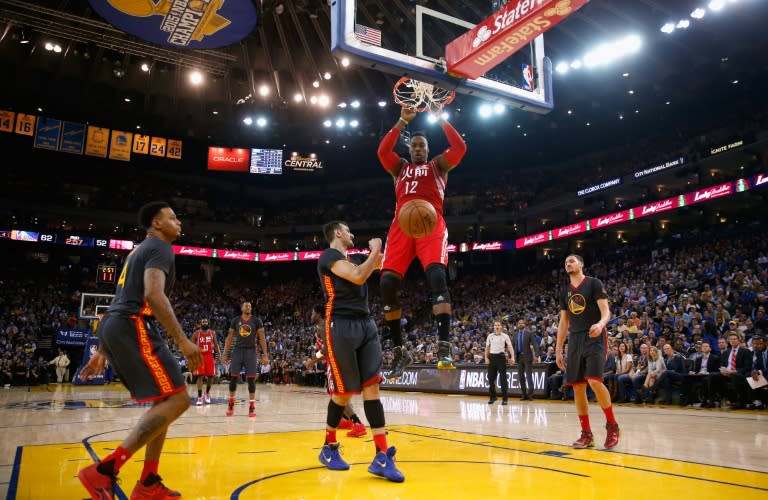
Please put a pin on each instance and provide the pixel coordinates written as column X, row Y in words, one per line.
column 401, row 249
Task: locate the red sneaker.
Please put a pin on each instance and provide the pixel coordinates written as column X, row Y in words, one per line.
column 345, row 424
column 357, row 431
column 231, row 411
column 585, row 441
column 100, row 486
column 612, row 437
column 157, row 491
column 252, row 411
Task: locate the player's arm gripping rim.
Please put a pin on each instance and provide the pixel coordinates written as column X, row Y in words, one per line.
column 154, row 286
column 391, row 162
column 451, row 157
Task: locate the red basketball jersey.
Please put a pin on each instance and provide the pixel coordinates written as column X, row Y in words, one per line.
column 205, row 341
column 422, row 181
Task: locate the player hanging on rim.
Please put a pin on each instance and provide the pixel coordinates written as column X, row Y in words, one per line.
column 418, row 179
column 205, row 338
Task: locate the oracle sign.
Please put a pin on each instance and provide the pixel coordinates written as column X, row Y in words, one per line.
column 229, row 159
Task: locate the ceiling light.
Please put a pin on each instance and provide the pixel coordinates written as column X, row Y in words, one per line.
column 342, row 104
column 23, row 38
column 668, row 28
column 145, row 67
column 261, row 121
column 433, row 119
column 683, row 24
column 716, row 5
column 735, row 82
column 562, row 67
column 576, row 64
column 485, row 111
column 382, row 104
column 215, row 112
column 323, row 100
column 341, row 123
column 327, row 141
column 327, row 123
column 345, row 62
column 127, row 99
column 313, row 99
column 668, row 102
column 297, row 97
column 499, row 108
column 698, row 13
column 625, row 75
column 195, row 77
column 355, row 104
column 248, row 120
column 39, row 110
column 354, row 123
column 316, row 84
column 48, row 46
column 327, row 75
column 264, row 90
column 630, row 92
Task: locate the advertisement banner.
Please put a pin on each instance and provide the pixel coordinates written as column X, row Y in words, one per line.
column 491, row 246
column 510, row 28
column 72, row 337
column 534, row 239
column 570, row 230
column 235, row 254
column 469, row 379
column 608, row 220
column 298, row 163
column 599, row 187
column 121, row 244
column 657, row 207
column 710, row 193
column 278, row 257
column 193, row 251
column 47, row 134
column 72, row 138
column 658, row 167
column 726, row 147
column 311, row 255
column 229, row 159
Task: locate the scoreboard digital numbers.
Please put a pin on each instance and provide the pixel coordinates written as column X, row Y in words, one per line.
column 267, row 161
column 105, row 273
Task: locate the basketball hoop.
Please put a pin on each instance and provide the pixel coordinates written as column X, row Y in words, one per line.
column 421, row 96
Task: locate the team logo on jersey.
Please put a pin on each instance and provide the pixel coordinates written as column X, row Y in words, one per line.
column 576, row 303
column 245, row 330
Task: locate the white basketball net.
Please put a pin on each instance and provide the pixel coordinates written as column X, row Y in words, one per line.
column 421, row 96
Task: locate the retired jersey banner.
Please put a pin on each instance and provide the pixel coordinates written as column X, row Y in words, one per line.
column 141, row 144
column 182, row 24
column 120, row 146
column 97, row 142
column 6, row 120
column 25, row 124
column 72, row 138
column 47, row 134
column 506, row 31
column 157, row 147
column 174, row 149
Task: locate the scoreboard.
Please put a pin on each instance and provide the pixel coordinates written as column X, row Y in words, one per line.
column 267, row 161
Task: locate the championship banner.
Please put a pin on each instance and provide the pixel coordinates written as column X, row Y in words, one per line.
column 174, row 149
column 7, row 119
column 182, row 24
column 97, row 142
column 157, row 147
column 25, row 124
column 120, row 146
column 141, row 144
column 72, row 337
column 506, row 31
column 470, row 379
column 47, row 134
column 72, row 138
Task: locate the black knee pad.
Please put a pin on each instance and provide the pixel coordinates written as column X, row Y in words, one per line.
column 390, row 285
column 438, row 284
column 335, row 412
column 251, row 384
column 374, row 412
column 232, row 384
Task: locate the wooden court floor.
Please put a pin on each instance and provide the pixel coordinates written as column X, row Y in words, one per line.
column 450, row 446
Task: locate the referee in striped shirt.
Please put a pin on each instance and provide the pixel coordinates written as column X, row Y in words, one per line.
column 496, row 347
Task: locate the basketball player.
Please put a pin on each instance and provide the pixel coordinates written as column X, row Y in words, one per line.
column 130, row 339
column 349, row 421
column 584, row 313
column 353, row 348
column 243, row 332
column 426, row 180
column 205, row 339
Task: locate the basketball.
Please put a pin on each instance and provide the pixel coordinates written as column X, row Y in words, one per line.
column 417, row 218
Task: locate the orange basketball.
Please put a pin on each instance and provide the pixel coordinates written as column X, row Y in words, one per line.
column 417, row 218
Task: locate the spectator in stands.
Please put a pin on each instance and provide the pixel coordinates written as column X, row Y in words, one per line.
column 61, row 362
column 704, row 364
column 674, row 371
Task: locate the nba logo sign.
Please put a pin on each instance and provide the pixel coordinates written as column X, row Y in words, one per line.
column 528, row 83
